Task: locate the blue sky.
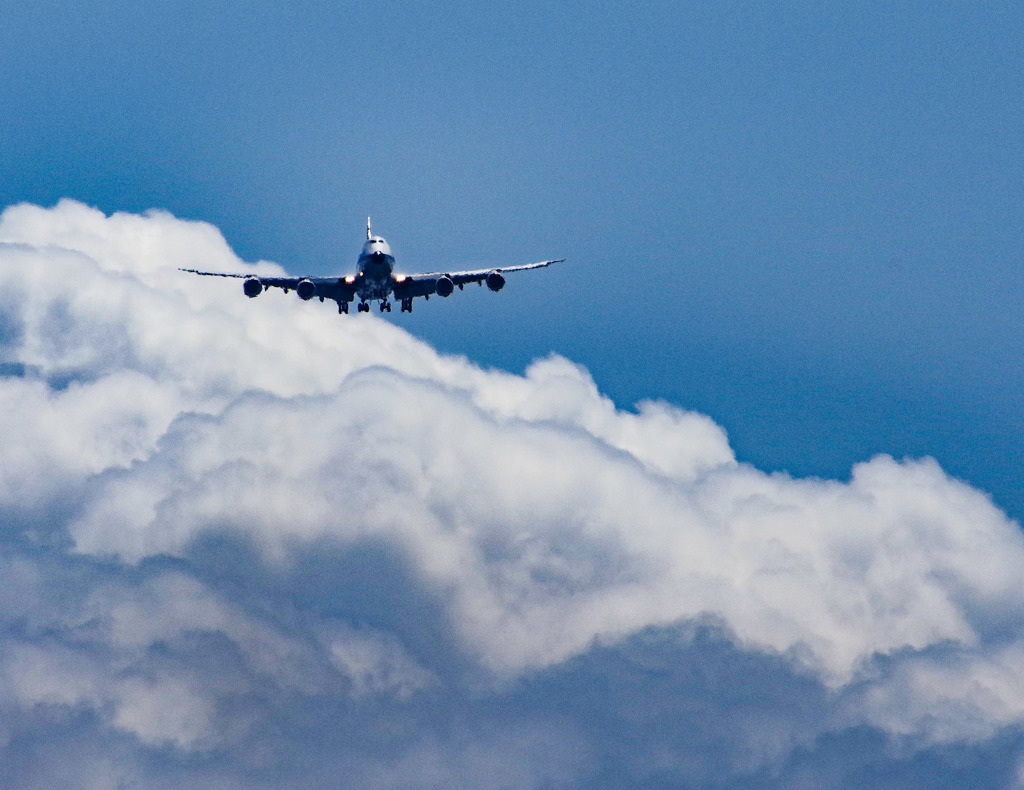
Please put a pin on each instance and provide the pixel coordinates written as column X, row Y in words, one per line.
column 802, row 221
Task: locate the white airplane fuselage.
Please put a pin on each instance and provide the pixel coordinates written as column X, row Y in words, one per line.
column 375, row 270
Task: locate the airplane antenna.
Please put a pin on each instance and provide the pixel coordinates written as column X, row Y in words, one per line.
column 367, row 228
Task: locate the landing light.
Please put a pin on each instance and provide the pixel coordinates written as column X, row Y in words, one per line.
column 350, row 279
column 400, row 278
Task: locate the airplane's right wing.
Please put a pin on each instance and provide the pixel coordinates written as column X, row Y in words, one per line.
column 340, row 289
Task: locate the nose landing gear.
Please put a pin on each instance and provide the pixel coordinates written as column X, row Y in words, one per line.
column 385, row 307
column 407, row 305
column 364, row 307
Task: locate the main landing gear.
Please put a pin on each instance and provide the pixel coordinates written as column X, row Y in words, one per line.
column 385, row 306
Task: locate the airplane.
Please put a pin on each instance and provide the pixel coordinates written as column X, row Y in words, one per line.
column 375, row 280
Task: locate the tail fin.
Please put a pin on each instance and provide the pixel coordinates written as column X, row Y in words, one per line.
column 367, row 228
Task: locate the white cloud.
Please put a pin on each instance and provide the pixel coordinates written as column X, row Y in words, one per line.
column 546, row 538
column 160, row 411
column 375, row 663
column 163, row 711
column 959, row 698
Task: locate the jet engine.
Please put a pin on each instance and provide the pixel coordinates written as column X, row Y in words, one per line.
column 252, row 286
column 444, row 286
column 306, row 290
column 495, row 281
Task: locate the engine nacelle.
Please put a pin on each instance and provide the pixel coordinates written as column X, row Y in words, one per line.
column 495, row 281
column 306, row 290
column 252, row 287
column 444, row 286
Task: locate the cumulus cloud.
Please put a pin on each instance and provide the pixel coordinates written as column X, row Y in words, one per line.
column 250, row 542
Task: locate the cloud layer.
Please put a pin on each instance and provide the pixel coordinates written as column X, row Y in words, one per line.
column 252, row 543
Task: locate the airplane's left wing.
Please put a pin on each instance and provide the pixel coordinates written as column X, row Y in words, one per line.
column 340, row 289
column 480, row 275
column 442, row 283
